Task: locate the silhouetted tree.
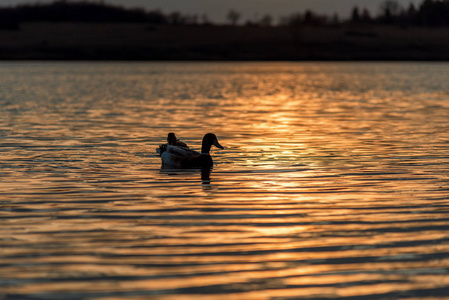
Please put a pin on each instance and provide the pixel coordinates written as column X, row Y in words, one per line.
column 335, row 20
column 205, row 20
column 366, row 16
column 434, row 13
column 176, row 18
column 412, row 11
column 192, row 19
column 266, row 20
column 290, row 20
column 389, row 9
column 308, row 17
column 83, row 11
column 294, row 23
column 156, row 17
column 233, row 17
column 412, row 15
column 355, row 15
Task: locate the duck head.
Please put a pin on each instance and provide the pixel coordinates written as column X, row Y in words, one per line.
column 171, row 138
column 209, row 140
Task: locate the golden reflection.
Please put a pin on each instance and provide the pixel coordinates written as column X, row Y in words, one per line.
column 324, row 189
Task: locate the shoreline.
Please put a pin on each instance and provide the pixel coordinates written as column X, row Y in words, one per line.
column 44, row 41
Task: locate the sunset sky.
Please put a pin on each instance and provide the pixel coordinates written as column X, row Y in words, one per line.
column 217, row 9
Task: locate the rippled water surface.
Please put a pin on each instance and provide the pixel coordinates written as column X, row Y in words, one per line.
column 334, row 182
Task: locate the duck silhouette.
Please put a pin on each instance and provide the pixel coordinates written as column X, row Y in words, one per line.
column 180, row 157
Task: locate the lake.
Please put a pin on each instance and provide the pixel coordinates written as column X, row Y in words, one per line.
column 334, row 181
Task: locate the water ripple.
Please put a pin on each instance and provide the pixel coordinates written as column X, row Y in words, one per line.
column 325, row 189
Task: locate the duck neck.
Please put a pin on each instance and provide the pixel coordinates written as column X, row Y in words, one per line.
column 205, row 149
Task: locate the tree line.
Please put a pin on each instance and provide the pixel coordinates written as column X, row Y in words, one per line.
column 428, row 13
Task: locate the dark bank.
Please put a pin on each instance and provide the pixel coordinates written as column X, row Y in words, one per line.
column 97, row 31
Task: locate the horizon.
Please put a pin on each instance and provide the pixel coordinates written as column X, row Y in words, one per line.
column 249, row 9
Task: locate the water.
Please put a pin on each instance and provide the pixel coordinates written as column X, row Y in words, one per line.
column 334, row 182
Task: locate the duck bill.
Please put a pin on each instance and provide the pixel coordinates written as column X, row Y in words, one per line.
column 217, row 144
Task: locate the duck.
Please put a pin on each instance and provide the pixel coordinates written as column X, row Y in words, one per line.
column 171, row 140
column 178, row 157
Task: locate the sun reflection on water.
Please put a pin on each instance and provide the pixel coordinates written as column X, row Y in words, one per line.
column 333, row 182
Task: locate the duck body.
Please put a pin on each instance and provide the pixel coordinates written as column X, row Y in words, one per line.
column 175, row 157
column 178, row 157
column 202, row 161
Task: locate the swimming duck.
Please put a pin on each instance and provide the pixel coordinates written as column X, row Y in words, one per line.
column 185, row 158
column 171, row 140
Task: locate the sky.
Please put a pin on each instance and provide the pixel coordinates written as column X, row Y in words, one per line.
column 250, row 9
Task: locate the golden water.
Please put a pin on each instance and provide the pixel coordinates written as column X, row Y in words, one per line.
column 334, row 182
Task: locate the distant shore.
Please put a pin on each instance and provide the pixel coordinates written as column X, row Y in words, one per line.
column 141, row 41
